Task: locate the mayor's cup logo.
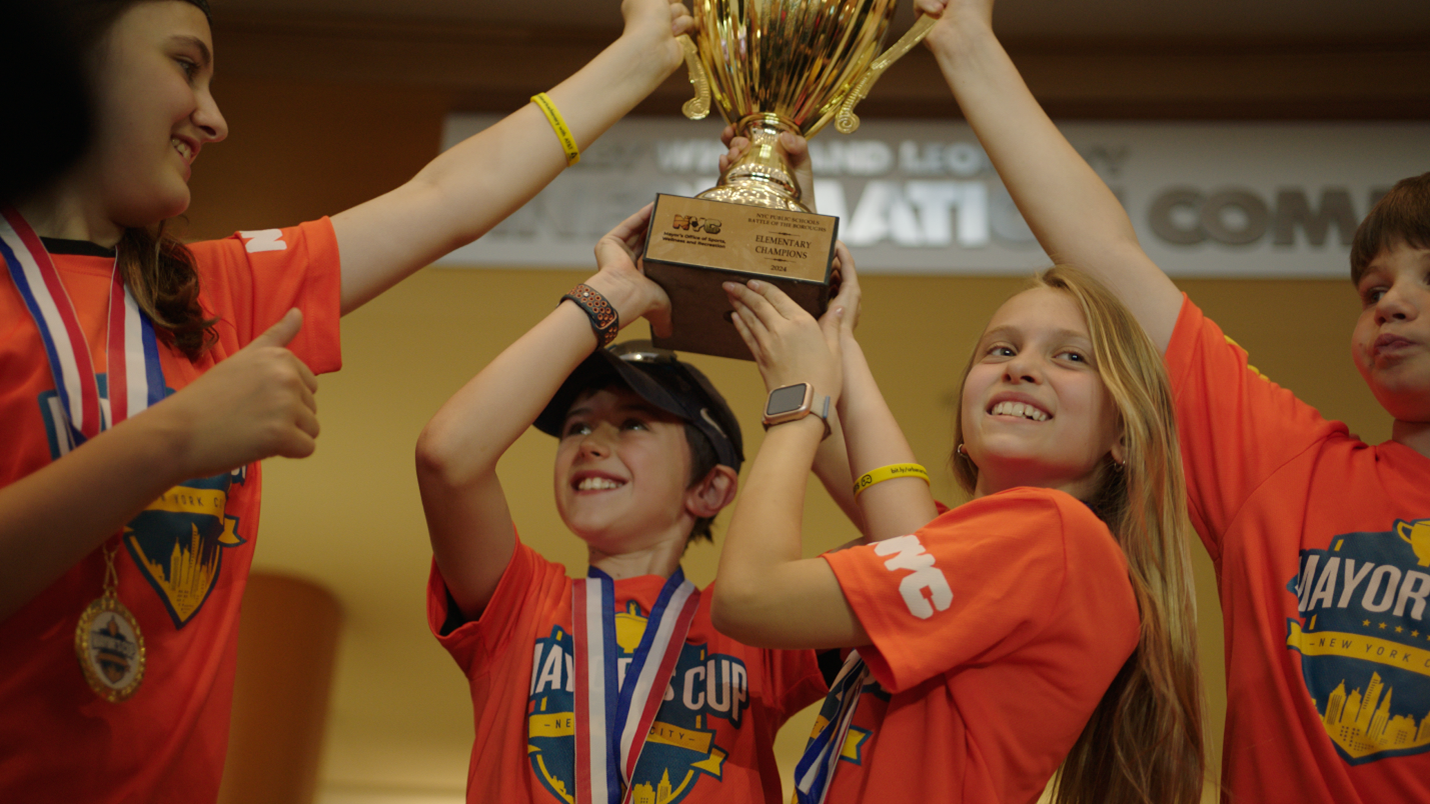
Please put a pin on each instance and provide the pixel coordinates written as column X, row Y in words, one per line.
column 1365, row 640
column 705, row 688
column 178, row 542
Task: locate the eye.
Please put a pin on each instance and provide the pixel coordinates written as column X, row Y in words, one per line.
column 1074, row 355
column 1371, row 295
column 576, row 428
column 189, row 66
column 1000, row 350
column 634, row 424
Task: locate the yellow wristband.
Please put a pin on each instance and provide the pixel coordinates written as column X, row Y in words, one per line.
column 553, row 116
column 889, row 472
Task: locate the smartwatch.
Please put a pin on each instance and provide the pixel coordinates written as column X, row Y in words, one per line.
column 793, row 402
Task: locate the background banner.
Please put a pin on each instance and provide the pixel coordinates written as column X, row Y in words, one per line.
column 920, row 197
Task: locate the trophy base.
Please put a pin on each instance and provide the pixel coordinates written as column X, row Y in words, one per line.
column 693, row 245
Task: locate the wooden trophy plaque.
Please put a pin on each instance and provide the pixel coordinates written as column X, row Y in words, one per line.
column 694, row 245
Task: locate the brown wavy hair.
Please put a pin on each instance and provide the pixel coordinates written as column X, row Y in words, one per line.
column 1400, row 216
column 1143, row 743
column 157, row 267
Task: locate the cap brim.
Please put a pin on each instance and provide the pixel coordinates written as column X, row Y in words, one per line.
column 602, row 367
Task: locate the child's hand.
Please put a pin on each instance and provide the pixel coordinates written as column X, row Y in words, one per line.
column 796, row 149
column 622, row 280
column 847, row 299
column 655, row 24
column 254, row 405
column 849, row 296
column 788, row 344
column 954, row 16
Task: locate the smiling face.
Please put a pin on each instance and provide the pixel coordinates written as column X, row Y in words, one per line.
column 1035, row 411
column 154, row 111
column 1391, row 341
column 622, row 471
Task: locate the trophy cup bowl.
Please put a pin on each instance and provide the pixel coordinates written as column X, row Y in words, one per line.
column 770, row 66
column 783, row 65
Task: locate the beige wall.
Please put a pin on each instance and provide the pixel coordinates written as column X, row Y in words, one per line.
column 349, row 517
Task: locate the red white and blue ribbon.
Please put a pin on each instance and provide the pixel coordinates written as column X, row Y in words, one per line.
column 821, row 754
column 135, row 378
column 614, row 713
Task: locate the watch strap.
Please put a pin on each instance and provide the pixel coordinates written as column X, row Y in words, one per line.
column 605, row 321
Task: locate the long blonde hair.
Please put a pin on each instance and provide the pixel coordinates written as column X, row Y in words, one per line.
column 1143, row 743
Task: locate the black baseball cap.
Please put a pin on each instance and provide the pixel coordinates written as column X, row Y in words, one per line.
column 660, row 378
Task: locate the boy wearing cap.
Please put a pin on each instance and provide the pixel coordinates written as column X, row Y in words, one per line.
column 615, row 686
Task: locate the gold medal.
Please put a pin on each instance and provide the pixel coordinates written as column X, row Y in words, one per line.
column 108, row 642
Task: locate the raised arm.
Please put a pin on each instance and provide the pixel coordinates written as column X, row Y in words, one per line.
column 1071, row 211
column 470, row 188
column 831, row 462
column 872, row 439
column 831, row 466
column 467, row 516
column 768, row 595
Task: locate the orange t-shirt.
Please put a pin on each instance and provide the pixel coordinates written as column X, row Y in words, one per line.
column 712, row 737
column 184, row 563
column 996, row 629
column 1322, row 549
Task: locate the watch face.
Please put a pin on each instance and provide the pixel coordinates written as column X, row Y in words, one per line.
column 787, row 399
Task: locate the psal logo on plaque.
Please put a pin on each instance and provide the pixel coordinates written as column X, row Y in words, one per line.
column 771, row 66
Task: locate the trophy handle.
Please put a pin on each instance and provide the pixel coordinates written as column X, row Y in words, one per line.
column 699, row 106
column 845, row 121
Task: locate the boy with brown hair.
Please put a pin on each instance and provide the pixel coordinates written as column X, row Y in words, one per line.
column 1321, row 542
column 615, row 685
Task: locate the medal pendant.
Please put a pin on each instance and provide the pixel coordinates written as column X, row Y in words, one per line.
column 110, row 648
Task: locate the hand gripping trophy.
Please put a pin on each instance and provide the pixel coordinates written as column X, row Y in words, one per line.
column 770, row 66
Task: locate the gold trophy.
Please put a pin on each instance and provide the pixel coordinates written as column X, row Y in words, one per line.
column 771, row 66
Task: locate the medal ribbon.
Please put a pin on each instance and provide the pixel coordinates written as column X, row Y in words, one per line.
column 135, row 378
column 821, row 754
column 136, row 381
column 615, row 717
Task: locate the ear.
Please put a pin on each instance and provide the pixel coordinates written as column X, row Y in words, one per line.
column 714, row 491
column 1119, row 449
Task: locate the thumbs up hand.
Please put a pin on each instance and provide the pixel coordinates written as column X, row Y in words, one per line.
column 254, row 405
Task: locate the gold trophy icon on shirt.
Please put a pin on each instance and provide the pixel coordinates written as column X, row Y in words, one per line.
column 770, row 66
column 1417, row 533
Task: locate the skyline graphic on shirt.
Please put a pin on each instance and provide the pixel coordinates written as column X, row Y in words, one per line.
column 178, row 542
column 1364, row 638
column 1362, row 725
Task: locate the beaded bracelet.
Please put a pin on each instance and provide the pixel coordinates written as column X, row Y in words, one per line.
column 553, row 116
column 605, row 321
column 889, row 472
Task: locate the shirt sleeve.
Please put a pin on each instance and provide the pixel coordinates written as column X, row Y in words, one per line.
column 1236, row 426
column 250, row 280
column 972, row 586
column 795, row 680
column 527, row 580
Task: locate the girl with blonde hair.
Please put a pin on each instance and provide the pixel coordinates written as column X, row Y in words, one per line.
column 1047, row 622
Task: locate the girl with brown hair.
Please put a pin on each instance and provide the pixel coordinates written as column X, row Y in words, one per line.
column 141, row 380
